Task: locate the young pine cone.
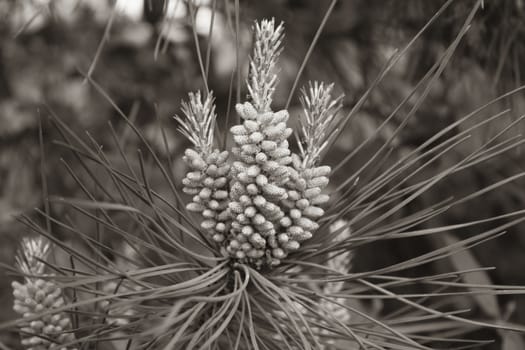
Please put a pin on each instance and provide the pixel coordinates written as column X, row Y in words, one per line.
column 208, row 183
column 39, row 296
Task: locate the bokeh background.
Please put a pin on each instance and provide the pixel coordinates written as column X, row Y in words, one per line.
column 143, row 54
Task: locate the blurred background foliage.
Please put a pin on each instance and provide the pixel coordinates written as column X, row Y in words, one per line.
column 143, row 54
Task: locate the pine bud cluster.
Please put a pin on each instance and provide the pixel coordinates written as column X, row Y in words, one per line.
column 39, row 295
column 267, row 47
column 36, row 296
column 207, row 182
column 303, row 203
column 261, row 204
column 259, row 174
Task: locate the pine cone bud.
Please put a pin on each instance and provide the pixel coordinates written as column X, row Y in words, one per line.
column 38, row 296
column 210, row 184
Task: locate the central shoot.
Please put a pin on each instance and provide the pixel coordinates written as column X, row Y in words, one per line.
column 260, row 201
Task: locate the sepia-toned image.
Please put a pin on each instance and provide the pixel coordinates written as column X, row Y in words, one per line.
column 266, row 175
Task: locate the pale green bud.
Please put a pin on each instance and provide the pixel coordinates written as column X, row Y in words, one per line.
column 291, row 245
column 278, row 253
column 312, row 192
column 280, row 116
column 320, row 199
column 313, row 212
column 250, row 149
column 265, row 118
column 261, row 158
column 268, row 145
column 251, row 125
column 239, row 130
column 241, row 139
column 307, row 224
column 302, row 203
column 256, row 137
column 320, row 181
